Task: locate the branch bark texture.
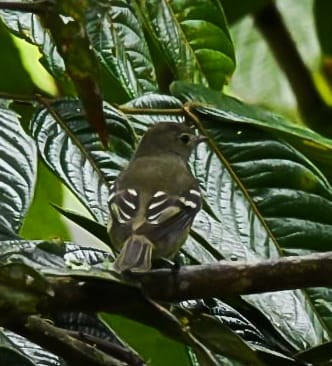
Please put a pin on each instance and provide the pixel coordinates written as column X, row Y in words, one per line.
column 192, row 282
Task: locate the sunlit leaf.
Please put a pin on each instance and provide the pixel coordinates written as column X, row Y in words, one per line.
column 49, row 190
column 27, row 26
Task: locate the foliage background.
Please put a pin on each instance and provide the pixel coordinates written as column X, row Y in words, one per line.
column 304, row 156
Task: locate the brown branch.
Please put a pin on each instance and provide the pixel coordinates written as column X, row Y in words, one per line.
column 25, row 99
column 58, row 341
column 190, row 282
column 131, row 297
column 37, row 7
column 239, row 278
column 150, row 111
column 315, row 112
column 108, row 347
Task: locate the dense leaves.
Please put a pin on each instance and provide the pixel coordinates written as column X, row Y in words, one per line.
column 194, row 39
column 265, row 180
column 117, row 37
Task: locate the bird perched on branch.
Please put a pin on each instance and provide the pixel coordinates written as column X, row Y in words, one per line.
column 154, row 200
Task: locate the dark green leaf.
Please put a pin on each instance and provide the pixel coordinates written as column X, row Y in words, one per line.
column 17, row 173
column 193, row 38
column 116, row 35
column 234, row 237
column 87, row 263
column 217, row 336
column 321, row 298
column 225, row 108
column 22, row 352
column 248, row 169
column 51, row 257
column 92, row 325
column 10, row 353
column 319, row 355
column 93, row 227
column 73, row 151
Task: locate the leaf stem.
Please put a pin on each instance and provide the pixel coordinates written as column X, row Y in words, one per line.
column 134, row 111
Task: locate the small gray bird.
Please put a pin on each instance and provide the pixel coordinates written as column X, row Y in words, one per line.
column 153, row 201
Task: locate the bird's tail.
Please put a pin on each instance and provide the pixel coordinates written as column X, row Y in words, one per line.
column 135, row 255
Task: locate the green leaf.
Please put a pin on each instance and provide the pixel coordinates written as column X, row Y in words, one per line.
column 268, row 196
column 17, row 173
column 151, row 344
column 193, row 38
column 28, row 27
column 116, row 34
column 321, row 298
column 93, row 227
column 16, row 80
column 16, row 350
column 234, row 236
column 74, row 152
column 90, row 264
column 50, row 224
column 245, row 232
column 217, row 336
column 224, row 108
column 319, row 355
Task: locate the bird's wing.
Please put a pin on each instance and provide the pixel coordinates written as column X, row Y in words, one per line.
column 124, row 204
column 166, row 214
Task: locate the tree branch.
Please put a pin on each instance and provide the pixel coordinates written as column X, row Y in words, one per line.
column 121, row 353
column 37, row 7
column 239, row 278
column 58, row 341
column 131, row 297
column 315, row 112
column 194, row 282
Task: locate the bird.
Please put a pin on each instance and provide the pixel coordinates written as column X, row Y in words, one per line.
column 154, row 200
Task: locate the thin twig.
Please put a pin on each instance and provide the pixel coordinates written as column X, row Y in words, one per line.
column 108, row 347
column 58, row 341
column 135, row 111
column 36, row 7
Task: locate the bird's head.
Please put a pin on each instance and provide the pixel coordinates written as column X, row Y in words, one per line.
column 169, row 137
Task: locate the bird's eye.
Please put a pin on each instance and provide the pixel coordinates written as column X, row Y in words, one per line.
column 185, row 138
